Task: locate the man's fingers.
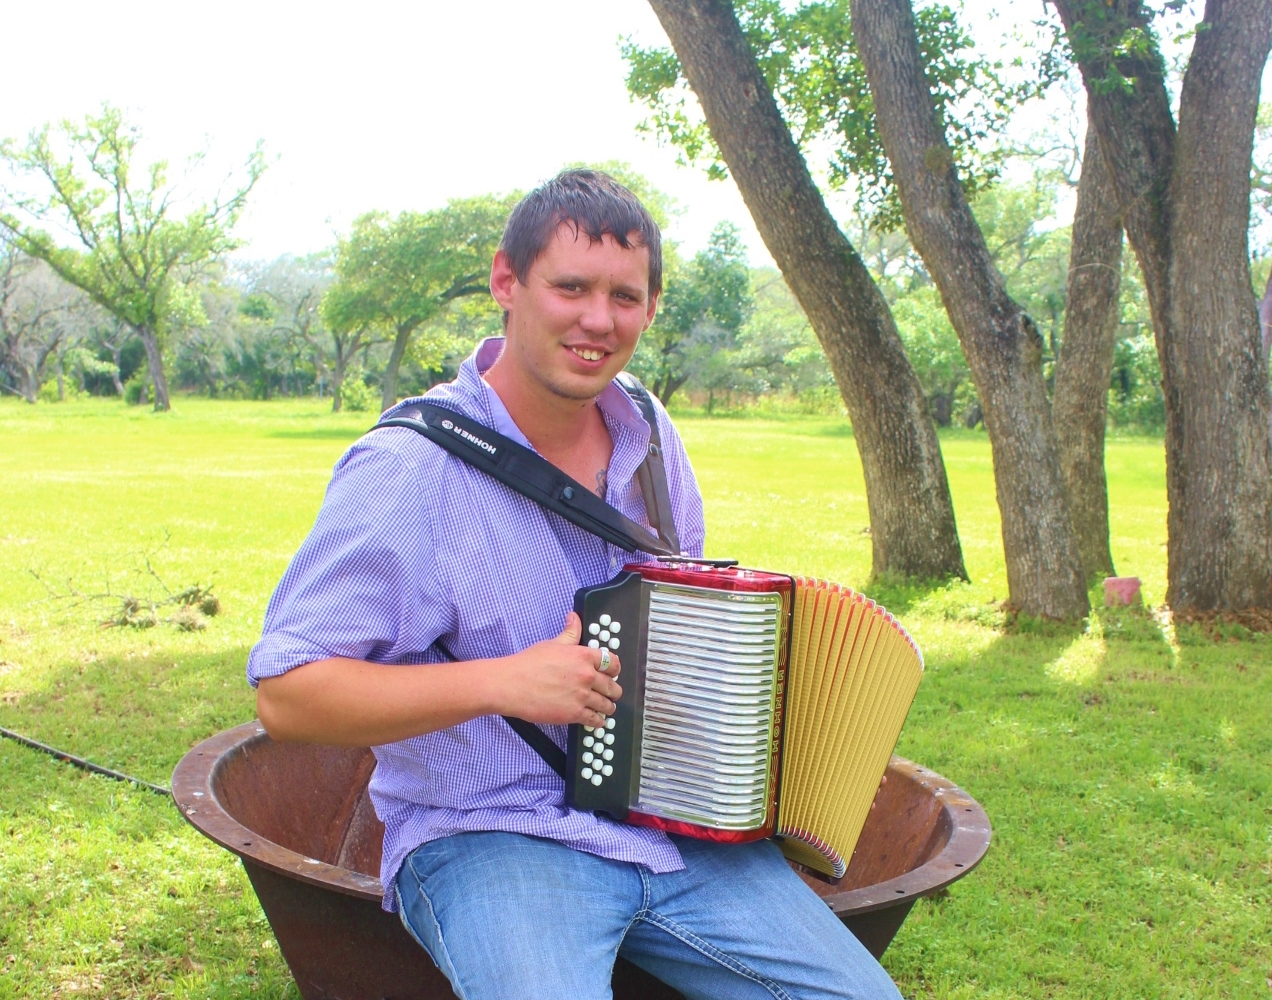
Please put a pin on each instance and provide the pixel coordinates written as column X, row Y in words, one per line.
column 597, row 702
column 606, row 685
column 610, row 667
column 572, row 632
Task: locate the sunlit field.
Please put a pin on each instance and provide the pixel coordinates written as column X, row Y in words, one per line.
column 1126, row 765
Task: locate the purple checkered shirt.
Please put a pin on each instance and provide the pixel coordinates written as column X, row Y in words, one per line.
column 413, row 545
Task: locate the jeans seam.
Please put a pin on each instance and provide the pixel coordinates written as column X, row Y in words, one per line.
column 691, row 940
column 644, row 903
column 449, row 970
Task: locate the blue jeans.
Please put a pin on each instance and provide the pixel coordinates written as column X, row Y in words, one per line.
column 519, row 918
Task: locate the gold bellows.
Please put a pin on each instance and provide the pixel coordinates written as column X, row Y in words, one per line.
column 852, row 674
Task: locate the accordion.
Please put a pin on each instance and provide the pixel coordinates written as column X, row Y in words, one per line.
column 754, row 705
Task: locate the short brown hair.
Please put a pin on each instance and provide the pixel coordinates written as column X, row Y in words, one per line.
column 589, row 201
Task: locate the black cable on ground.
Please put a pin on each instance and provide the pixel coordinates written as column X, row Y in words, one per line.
column 80, row 762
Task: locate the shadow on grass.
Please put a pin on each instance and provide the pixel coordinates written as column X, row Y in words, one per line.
column 133, row 714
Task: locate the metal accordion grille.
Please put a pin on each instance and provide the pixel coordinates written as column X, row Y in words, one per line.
column 708, row 713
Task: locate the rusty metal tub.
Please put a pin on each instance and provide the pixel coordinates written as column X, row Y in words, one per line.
column 301, row 820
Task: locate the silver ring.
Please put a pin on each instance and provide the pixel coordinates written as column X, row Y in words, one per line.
column 605, row 660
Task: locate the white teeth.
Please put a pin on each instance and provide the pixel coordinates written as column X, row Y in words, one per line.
column 588, row 355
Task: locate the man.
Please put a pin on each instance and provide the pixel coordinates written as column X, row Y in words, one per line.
column 429, row 600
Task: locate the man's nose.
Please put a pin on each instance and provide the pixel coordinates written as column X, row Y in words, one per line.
column 598, row 313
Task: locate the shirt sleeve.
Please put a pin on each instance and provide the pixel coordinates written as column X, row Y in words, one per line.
column 682, row 484
column 365, row 582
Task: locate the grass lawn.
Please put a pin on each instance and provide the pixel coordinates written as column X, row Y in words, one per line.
column 1126, row 765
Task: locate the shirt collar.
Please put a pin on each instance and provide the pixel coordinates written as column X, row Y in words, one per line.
column 615, row 405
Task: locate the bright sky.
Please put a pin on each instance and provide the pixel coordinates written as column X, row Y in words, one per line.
column 374, row 105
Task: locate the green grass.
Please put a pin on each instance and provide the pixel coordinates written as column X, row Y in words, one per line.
column 1126, row 766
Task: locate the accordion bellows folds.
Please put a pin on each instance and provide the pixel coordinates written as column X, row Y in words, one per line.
column 754, row 705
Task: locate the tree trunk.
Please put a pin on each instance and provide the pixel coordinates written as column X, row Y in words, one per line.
column 337, row 381
column 1185, row 202
column 388, row 396
column 911, row 515
column 1085, row 361
column 28, row 384
column 154, row 360
column 1002, row 344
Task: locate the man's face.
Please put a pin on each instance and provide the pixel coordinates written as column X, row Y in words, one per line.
column 577, row 319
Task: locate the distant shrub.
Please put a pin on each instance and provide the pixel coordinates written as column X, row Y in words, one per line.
column 137, row 388
column 48, row 391
column 356, row 395
column 1135, row 393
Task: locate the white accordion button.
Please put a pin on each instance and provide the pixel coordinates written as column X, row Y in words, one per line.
column 586, row 772
column 609, row 723
column 607, row 770
column 587, row 740
column 613, row 644
column 596, row 779
column 593, row 629
column 587, row 757
column 593, row 643
column 616, row 627
column 604, row 635
column 609, row 738
column 609, row 754
column 605, row 620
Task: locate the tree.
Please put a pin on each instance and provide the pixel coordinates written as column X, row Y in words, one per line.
column 1184, row 192
column 911, row 515
column 396, row 274
column 134, row 256
column 36, row 310
column 1001, row 342
column 1085, row 361
column 703, row 306
column 283, row 303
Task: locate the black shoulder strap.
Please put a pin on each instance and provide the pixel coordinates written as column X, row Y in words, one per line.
column 529, row 474
column 652, row 474
column 539, row 741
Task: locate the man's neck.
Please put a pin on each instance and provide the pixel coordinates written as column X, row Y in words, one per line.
column 550, row 422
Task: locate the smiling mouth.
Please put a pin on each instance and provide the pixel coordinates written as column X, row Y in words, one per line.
column 588, row 353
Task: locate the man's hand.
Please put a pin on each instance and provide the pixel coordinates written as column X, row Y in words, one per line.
column 557, row 681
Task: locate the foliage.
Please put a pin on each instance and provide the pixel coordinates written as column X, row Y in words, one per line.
column 934, row 351
column 355, row 395
column 704, row 304
column 1125, row 768
column 396, row 274
column 39, row 317
column 808, row 57
column 1030, row 253
column 134, row 258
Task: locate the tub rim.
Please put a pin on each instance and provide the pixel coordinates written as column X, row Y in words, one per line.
column 195, row 796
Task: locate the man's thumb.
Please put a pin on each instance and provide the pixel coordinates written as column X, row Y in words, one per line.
column 573, row 629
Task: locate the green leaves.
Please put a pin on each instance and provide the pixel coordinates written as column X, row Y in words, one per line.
column 704, row 304
column 808, row 56
column 121, row 242
column 398, row 273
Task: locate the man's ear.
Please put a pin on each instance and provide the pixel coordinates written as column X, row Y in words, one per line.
column 652, row 310
column 502, row 279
